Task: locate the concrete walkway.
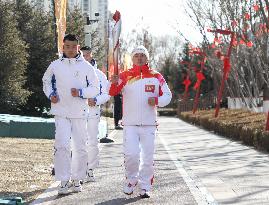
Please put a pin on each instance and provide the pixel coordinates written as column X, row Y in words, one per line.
column 192, row 166
column 231, row 172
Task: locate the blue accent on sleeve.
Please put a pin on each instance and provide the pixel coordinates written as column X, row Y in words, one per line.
column 95, row 99
column 80, row 93
column 87, row 81
column 53, row 84
column 100, row 89
column 52, row 94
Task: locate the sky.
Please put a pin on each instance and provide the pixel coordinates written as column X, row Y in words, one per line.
column 160, row 17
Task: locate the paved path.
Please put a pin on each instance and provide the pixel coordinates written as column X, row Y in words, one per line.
column 192, row 166
column 231, row 172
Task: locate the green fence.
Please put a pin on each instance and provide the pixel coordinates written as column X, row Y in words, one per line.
column 34, row 127
column 28, row 127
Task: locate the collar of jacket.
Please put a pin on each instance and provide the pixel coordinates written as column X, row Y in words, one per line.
column 138, row 69
column 92, row 62
column 78, row 57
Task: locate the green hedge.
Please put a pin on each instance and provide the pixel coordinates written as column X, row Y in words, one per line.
column 246, row 126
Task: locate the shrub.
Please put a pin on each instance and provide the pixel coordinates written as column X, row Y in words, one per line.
column 243, row 125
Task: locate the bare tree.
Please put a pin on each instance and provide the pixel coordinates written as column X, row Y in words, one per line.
column 249, row 21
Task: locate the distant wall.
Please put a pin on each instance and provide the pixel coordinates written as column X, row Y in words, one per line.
column 253, row 104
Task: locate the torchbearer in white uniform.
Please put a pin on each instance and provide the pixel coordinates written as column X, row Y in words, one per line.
column 94, row 115
column 143, row 90
column 68, row 82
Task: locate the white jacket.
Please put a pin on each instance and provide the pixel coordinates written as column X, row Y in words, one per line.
column 137, row 85
column 102, row 96
column 64, row 74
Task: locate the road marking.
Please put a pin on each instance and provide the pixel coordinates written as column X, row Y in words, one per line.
column 51, row 193
column 200, row 193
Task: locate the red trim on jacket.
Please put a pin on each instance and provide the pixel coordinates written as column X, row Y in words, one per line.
column 134, row 74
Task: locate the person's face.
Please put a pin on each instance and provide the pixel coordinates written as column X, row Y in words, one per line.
column 139, row 59
column 87, row 55
column 70, row 48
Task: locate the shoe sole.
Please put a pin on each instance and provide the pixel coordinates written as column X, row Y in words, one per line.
column 144, row 196
column 128, row 193
column 132, row 191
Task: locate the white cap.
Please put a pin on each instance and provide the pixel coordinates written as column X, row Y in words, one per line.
column 140, row 49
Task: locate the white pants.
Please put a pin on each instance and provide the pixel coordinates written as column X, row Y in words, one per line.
column 138, row 142
column 92, row 142
column 70, row 165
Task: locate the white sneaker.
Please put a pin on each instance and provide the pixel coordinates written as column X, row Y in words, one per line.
column 129, row 189
column 144, row 193
column 76, row 186
column 90, row 177
column 64, row 188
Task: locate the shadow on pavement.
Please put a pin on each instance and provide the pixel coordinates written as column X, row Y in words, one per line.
column 120, row 201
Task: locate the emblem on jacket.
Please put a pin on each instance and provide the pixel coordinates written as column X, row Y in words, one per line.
column 76, row 73
column 150, row 88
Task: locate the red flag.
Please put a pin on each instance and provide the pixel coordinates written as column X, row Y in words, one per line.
column 116, row 16
column 256, row 7
column 223, row 32
column 187, row 83
column 247, row 16
column 226, row 66
column 200, row 76
column 249, row 44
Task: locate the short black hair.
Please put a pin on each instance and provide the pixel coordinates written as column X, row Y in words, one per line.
column 70, row 37
column 86, row 48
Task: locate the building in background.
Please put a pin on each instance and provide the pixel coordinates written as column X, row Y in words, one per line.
column 94, row 10
column 73, row 3
column 103, row 17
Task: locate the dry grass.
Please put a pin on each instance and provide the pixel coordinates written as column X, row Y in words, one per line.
column 26, row 166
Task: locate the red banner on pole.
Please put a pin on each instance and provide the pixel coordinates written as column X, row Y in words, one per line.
column 200, row 77
column 187, row 81
column 226, row 65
